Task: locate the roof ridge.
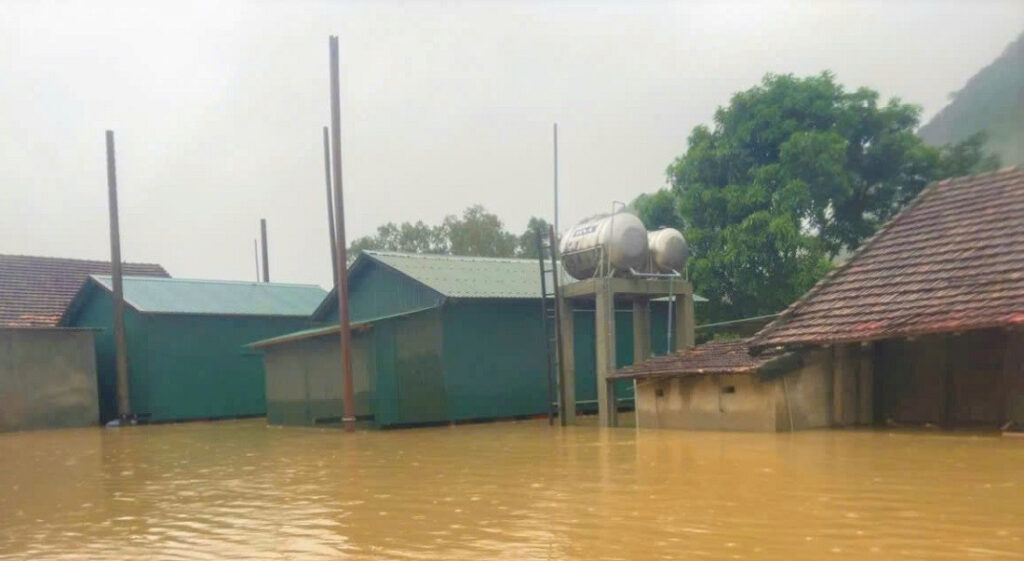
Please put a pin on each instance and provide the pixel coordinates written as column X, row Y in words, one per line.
column 79, row 260
column 211, row 281
column 447, row 256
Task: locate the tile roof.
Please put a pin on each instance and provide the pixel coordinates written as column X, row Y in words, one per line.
column 211, row 297
column 35, row 290
column 714, row 357
column 953, row 260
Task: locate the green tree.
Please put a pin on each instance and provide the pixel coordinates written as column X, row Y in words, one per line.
column 527, row 242
column 658, row 210
column 477, row 232
column 794, row 172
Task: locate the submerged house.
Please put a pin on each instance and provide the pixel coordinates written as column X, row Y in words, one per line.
column 436, row 338
column 185, row 339
column 924, row 324
column 47, row 372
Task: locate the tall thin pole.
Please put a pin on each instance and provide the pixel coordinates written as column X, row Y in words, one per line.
column 124, row 398
column 256, row 257
column 266, row 262
column 556, row 179
column 340, row 266
column 330, row 205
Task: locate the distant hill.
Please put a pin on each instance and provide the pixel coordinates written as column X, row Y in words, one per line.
column 991, row 101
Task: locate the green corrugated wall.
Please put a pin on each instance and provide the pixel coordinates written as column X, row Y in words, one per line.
column 494, row 359
column 183, row 366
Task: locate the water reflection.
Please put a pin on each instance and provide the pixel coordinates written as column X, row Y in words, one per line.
column 506, row 491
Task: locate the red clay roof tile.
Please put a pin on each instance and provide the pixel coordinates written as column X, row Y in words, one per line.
column 35, row 290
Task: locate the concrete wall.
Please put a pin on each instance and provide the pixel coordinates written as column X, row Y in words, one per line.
column 47, row 379
column 798, row 400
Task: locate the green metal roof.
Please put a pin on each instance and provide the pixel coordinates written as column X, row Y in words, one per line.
column 328, row 330
column 184, row 296
column 467, row 277
column 471, row 277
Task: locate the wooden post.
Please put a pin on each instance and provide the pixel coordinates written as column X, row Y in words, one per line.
column 866, row 384
column 604, row 318
column 124, row 399
column 349, row 418
column 330, row 205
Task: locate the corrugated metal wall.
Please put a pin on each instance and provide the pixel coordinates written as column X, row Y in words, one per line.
column 183, row 366
column 494, row 359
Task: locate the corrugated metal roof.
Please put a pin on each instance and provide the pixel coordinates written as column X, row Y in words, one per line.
column 470, row 277
column 186, row 296
column 361, row 325
column 467, row 277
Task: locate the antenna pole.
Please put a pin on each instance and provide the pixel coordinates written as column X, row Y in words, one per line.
column 124, row 398
column 556, row 177
column 256, row 257
column 266, row 262
column 349, row 418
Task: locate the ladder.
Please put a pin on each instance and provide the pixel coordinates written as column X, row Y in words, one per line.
column 547, row 258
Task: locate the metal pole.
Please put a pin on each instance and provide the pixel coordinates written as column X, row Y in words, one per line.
column 556, row 178
column 124, row 399
column 330, row 205
column 340, row 266
column 256, row 257
column 548, row 341
column 266, row 263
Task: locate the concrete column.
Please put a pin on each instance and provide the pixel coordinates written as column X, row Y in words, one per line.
column 604, row 329
column 567, row 388
column 641, row 330
column 684, row 335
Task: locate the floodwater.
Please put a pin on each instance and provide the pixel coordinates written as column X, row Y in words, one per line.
column 241, row 490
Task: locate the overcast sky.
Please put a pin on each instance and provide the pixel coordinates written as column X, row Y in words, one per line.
column 217, row 109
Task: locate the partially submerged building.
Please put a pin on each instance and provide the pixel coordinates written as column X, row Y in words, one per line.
column 924, row 324
column 436, row 339
column 185, row 339
column 47, row 373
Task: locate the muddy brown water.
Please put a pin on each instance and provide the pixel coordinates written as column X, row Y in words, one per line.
column 241, row 490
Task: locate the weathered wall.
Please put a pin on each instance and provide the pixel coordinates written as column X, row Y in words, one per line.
column 803, row 398
column 304, row 382
column 47, row 379
column 797, row 400
column 739, row 402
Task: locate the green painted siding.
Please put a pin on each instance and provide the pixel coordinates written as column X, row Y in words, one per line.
column 197, row 366
column 586, row 354
column 494, row 359
column 182, row 366
column 378, row 291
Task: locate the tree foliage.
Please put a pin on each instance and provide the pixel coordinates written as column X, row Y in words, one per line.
column 794, row 172
column 474, row 232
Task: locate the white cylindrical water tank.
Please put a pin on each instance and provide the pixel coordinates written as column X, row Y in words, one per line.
column 668, row 250
column 620, row 238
